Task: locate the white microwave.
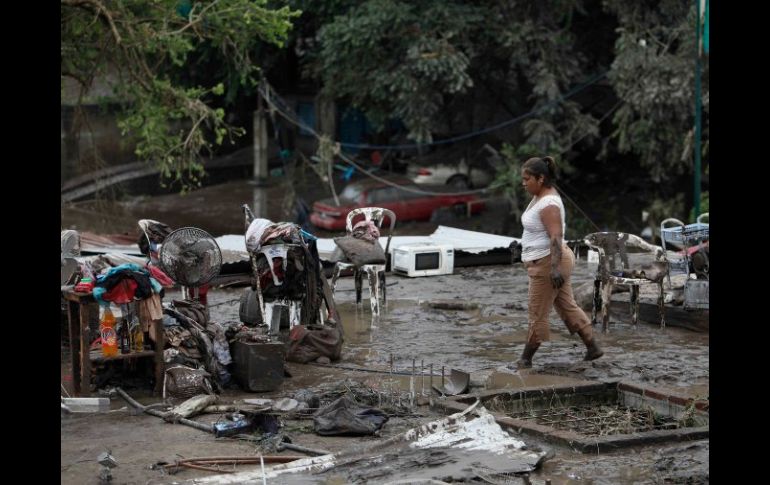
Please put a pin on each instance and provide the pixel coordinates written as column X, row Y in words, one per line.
column 423, row 259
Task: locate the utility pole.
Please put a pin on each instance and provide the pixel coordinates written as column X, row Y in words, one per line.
column 260, row 160
column 696, row 192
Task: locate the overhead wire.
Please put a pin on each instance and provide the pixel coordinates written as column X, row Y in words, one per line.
column 273, row 100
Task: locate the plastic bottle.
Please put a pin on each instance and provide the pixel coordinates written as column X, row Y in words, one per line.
column 109, row 337
column 137, row 336
column 125, row 342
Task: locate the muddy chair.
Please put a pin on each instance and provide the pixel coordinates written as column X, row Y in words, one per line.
column 375, row 272
column 614, row 269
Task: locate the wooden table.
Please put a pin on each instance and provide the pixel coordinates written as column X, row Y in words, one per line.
column 79, row 309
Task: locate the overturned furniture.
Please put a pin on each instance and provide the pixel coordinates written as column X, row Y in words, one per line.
column 363, row 253
column 615, row 269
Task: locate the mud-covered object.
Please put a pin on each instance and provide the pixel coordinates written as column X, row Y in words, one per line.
column 345, row 417
column 193, row 310
column 515, row 249
column 182, row 382
column 307, row 345
column 359, row 251
column 293, row 277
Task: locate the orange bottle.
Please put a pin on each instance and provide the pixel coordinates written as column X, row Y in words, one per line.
column 109, row 336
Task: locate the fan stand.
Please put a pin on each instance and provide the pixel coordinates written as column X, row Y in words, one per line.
column 192, row 293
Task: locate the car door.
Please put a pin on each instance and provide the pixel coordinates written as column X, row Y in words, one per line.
column 417, row 205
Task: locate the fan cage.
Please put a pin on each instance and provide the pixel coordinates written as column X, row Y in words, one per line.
column 190, row 256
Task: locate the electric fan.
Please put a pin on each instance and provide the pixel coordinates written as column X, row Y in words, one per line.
column 191, row 257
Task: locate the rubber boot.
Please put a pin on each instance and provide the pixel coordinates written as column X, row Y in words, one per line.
column 593, row 351
column 525, row 362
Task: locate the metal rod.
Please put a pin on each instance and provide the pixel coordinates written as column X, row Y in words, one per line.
column 411, row 383
column 422, row 374
column 303, row 449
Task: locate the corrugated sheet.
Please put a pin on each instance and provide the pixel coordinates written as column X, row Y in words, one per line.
column 462, row 240
column 459, row 430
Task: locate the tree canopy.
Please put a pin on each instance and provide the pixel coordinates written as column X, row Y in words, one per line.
column 441, row 67
column 140, row 47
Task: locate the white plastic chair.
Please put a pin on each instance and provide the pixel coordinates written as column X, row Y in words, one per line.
column 375, row 272
column 614, row 269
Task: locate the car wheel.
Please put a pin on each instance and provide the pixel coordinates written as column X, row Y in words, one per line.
column 459, row 181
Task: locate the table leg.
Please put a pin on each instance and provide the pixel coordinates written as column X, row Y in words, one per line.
column 85, row 351
column 73, row 314
column 159, row 365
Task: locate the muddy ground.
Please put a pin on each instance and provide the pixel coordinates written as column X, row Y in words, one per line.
column 483, row 342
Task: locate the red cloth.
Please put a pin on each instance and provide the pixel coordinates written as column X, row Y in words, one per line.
column 159, row 275
column 694, row 249
column 121, row 293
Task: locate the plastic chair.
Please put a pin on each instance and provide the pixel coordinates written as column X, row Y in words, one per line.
column 614, row 269
column 375, row 272
column 685, row 236
column 690, row 238
column 271, row 309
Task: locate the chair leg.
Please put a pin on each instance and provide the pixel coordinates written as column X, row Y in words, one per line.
column 374, row 290
column 605, row 312
column 358, row 275
column 383, row 287
column 273, row 323
column 662, row 306
column 634, row 304
column 597, row 305
column 335, row 276
column 295, row 313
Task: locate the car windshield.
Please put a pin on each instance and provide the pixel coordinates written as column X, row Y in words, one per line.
column 351, row 192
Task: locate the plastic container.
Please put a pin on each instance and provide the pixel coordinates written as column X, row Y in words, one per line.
column 137, row 336
column 108, row 334
column 85, row 285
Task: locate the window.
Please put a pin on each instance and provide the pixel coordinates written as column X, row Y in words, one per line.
column 384, row 194
column 351, row 192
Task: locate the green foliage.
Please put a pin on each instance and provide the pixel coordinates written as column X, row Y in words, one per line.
column 704, row 206
column 396, row 60
column 661, row 209
column 508, row 177
column 138, row 47
column 653, row 74
column 437, row 64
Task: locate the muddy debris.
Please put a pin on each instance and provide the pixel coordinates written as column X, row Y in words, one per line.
column 452, row 305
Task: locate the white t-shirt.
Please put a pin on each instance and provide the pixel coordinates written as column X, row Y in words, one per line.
column 535, row 243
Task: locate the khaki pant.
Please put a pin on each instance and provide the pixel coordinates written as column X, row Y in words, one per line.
column 543, row 296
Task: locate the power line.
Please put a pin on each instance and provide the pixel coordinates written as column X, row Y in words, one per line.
column 273, row 100
column 482, row 131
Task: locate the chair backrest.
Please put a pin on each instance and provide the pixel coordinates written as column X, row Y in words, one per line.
column 613, row 248
column 376, row 215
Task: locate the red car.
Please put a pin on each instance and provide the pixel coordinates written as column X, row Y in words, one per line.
column 408, row 206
